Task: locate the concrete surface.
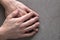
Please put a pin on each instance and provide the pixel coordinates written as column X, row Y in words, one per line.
column 49, row 11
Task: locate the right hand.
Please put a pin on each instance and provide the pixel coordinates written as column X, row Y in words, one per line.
column 19, row 27
column 11, row 5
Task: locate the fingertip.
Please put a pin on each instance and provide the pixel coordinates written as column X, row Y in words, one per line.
column 37, row 30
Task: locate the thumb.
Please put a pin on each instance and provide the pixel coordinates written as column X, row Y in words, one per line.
column 13, row 14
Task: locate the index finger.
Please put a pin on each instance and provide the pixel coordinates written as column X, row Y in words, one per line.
column 29, row 10
column 26, row 17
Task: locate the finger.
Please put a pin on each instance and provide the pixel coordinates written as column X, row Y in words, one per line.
column 33, row 27
column 29, row 22
column 37, row 30
column 20, row 6
column 29, row 10
column 25, row 8
column 13, row 14
column 26, row 17
column 22, row 12
column 30, row 34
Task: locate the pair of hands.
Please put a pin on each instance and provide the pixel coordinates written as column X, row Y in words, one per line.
column 20, row 22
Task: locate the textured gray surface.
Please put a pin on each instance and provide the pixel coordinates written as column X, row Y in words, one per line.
column 49, row 11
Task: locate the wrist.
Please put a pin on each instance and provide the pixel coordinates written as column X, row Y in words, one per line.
column 2, row 33
column 6, row 3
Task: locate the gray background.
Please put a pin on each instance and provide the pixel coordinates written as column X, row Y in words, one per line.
column 49, row 11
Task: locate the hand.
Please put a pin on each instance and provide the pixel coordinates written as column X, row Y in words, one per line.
column 11, row 5
column 20, row 27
